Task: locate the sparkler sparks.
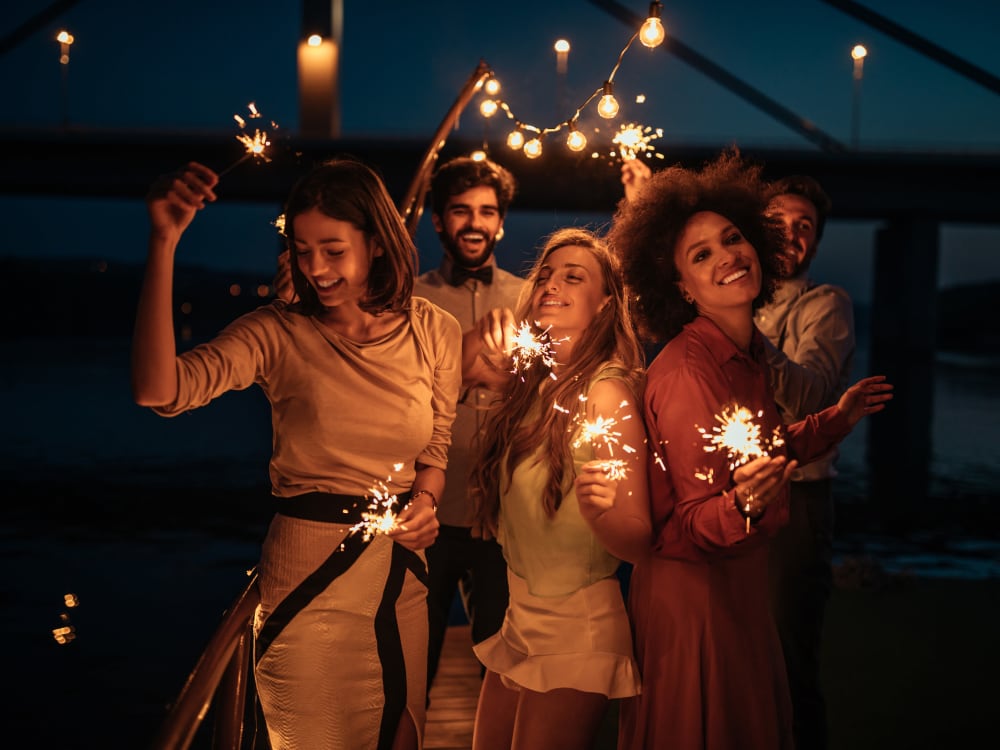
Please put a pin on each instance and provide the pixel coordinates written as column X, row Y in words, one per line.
column 256, row 145
column 601, row 430
column 633, row 139
column 380, row 518
column 614, row 469
column 737, row 434
column 529, row 347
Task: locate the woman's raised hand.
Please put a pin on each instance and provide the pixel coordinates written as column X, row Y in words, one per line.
column 174, row 199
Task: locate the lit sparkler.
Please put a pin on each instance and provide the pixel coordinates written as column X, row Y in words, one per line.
column 737, row 434
column 530, row 347
column 256, row 145
column 602, row 430
column 614, row 469
column 633, row 139
column 740, row 437
column 380, row 518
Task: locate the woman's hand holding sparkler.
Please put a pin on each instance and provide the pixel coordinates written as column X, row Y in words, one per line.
column 284, row 289
column 760, row 481
column 595, row 489
column 175, row 198
column 416, row 525
column 486, row 350
column 867, row 396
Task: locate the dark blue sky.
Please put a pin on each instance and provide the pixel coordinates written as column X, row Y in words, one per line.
column 189, row 66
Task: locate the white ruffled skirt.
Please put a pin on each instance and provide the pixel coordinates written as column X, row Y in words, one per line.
column 581, row 641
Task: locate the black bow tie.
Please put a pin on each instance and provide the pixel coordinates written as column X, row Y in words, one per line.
column 460, row 275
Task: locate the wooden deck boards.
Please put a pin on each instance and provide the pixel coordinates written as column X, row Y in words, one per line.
column 454, row 693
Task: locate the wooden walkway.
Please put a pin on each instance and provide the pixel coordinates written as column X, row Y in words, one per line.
column 454, row 694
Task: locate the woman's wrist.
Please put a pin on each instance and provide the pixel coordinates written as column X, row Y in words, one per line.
column 430, row 496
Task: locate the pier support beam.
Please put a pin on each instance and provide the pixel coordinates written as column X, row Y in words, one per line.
column 904, row 318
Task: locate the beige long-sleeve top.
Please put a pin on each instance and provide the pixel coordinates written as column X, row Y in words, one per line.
column 344, row 415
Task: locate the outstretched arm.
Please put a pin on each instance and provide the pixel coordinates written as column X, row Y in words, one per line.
column 172, row 203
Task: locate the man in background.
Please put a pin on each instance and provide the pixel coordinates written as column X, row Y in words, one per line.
column 811, row 327
column 469, row 200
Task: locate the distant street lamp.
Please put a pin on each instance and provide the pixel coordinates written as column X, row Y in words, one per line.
column 562, row 63
column 858, row 54
column 65, row 39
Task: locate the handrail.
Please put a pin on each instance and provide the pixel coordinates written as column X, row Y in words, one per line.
column 412, row 205
column 225, row 655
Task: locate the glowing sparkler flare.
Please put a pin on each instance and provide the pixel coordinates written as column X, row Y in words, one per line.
column 614, row 469
column 529, row 347
column 633, row 139
column 600, row 429
column 380, row 518
column 256, row 145
column 737, row 434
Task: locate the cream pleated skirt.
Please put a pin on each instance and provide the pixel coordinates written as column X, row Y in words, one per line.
column 580, row 641
column 340, row 637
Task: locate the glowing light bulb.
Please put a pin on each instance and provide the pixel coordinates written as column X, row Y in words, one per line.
column 561, row 45
column 314, row 40
column 652, row 32
column 492, row 87
column 488, row 108
column 478, row 156
column 516, row 139
column 607, row 107
column 64, row 37
column 533, row 148
column 575, row 141
column 859, row 52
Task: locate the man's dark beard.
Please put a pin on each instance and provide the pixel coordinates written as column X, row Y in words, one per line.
column 451, row 248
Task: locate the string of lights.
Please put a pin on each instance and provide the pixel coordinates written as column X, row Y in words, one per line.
column 632, row 139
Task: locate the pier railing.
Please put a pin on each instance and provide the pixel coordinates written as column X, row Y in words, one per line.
column 220, row 676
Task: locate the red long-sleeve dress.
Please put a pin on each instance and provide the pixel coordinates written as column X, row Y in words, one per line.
column 708, row 652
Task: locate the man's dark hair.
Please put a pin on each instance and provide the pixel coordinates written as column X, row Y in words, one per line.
column 464, row 173
column 808, row 188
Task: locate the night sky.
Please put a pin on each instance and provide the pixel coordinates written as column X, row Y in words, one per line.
column 188, row 66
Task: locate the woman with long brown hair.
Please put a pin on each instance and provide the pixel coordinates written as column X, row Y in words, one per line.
column 561, row 482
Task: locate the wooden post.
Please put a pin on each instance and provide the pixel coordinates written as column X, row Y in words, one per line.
column 904, row 319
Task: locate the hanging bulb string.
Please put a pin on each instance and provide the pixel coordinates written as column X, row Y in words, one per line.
column 602, row 90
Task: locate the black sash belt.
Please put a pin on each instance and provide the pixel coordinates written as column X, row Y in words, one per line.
column 337, row 563
column 331, row 508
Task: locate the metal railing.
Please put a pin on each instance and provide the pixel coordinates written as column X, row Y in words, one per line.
column 221, row 675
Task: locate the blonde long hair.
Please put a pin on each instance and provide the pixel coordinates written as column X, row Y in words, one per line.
column 517, row 424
